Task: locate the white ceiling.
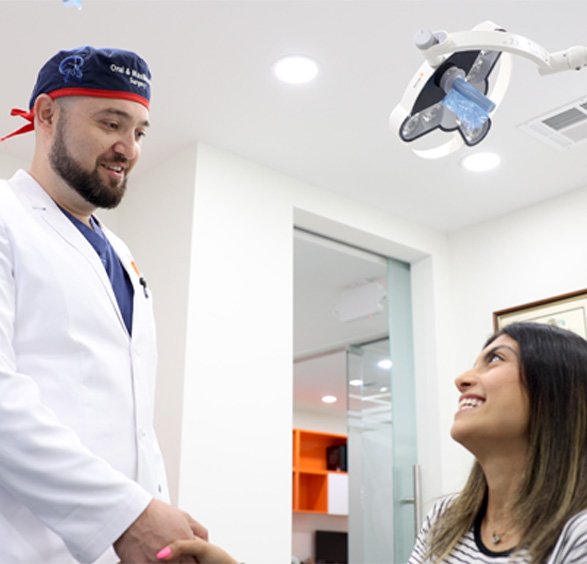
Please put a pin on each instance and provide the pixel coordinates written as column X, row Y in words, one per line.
column 212, row 82
column 324, row 272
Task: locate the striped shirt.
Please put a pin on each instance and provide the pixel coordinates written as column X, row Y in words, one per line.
column 571, row 546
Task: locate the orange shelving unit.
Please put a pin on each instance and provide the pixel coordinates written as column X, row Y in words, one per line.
column 310, row 472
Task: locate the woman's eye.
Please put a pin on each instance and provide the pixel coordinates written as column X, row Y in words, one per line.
column 493, row 358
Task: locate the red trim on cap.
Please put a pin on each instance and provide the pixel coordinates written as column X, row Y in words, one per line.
column 29, row 116
column 100, row 94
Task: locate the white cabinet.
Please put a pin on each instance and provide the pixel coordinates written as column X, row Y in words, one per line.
column 338, row 494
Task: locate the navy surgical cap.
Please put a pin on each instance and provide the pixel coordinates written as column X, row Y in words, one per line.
column 87, row 71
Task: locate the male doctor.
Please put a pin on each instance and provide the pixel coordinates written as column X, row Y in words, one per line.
column 80, row 468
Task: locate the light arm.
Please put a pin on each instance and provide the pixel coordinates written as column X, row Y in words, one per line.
column 438, row 46
column 572, row 58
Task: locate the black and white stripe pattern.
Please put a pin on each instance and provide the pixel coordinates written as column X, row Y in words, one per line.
column 571, row 546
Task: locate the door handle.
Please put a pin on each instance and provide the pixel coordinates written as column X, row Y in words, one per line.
column 417, row 473
column 417, row 499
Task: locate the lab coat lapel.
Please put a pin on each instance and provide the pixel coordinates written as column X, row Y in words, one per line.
column 41, row 203
column 133, row 272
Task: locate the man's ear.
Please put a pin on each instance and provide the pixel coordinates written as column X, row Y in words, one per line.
column 44, row 110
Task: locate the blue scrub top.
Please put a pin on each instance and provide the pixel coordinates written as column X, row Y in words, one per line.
column 118, row 276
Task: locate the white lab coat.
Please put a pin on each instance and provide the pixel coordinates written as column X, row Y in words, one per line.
column 79, row 460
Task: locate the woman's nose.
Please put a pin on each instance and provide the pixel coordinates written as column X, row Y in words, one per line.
column 465, row 380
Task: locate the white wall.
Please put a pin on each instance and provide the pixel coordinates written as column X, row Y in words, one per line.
column 9, row 165
column 525, row 256
column 236, row 442
column 236, row 454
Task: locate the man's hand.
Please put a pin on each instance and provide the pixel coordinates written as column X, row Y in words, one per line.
column 198, row 529
column 157, row 526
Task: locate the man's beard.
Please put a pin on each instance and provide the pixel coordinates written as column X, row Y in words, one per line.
column 87, row 184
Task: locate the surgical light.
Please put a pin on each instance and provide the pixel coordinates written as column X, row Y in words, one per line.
column 451, row 99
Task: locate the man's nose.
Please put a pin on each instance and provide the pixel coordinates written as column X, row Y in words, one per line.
column 128, row 147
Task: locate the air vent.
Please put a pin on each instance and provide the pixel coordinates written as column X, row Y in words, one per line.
column 565, row 119
column 563, row 128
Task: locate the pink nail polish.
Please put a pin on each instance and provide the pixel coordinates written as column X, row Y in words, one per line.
column 164, row 553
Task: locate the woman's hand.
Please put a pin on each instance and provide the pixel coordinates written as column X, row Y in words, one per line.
column 204, row 552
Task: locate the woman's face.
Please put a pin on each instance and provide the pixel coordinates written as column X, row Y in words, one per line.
column 494, row 410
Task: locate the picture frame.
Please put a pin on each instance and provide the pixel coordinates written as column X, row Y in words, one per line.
column 568, row 311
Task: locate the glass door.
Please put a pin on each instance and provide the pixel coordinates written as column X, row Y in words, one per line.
column 370, row 455
column 382, row 447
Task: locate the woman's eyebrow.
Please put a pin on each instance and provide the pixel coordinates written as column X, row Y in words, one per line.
column 497, row 347
column 494, row 349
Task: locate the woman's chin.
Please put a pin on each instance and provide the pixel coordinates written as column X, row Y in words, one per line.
column 460, row 434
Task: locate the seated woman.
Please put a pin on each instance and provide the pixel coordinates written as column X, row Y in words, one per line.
column 523, row 415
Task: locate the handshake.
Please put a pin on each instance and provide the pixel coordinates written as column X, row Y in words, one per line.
column 162, row 533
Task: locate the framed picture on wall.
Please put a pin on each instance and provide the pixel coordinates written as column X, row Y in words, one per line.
column 568, row 311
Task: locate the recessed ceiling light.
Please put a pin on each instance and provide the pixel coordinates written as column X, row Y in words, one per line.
column 385, row 364
column 480, row 162
column 296, row 69
column 356, row 382
column 328, row 399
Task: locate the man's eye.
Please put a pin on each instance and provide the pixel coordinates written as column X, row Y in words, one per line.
column 141, row 134
column 110, row 124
